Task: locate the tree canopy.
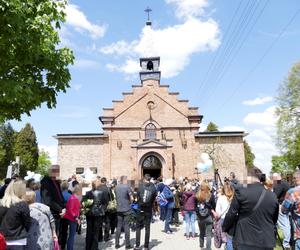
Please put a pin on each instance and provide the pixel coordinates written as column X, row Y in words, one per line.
column 33, row 69
column 44, row 163
column 288, row 125
column 212, row 127
column 249, row 155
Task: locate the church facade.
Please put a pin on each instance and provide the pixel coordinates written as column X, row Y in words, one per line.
column 150, row 131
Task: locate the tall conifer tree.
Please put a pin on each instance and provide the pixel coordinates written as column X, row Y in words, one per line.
column 27, row 148
column 7, row 140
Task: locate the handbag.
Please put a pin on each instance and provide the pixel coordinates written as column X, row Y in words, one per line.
column 161, row 200
column 56, row 245
column 218, row 239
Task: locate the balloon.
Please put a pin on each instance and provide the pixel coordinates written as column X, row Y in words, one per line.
column 206, row 163
column 33, row 175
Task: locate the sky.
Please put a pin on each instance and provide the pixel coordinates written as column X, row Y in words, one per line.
column 226, row 57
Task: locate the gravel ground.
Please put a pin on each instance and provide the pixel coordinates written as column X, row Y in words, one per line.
column 158, row 239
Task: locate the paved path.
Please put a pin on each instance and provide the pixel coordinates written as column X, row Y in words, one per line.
column 158, row 239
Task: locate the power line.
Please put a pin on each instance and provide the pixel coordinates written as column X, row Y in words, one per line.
column 267, row 51
column 236, row 35
column 225, row 68
column 218, row 51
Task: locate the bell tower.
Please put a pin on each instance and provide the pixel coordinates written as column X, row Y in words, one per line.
column 149, row 65
column 150, row 68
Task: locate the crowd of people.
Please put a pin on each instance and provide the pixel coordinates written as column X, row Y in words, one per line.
column 240, row 215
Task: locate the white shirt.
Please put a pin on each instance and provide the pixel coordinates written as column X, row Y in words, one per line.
column 222, row 206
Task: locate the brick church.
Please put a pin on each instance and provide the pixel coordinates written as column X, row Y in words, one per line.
column 150, row 131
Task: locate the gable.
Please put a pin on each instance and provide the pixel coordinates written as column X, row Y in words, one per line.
column 151, row 97
column 152, row 144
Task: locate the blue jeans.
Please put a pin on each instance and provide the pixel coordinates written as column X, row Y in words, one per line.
column 284, row 224
column 163, row 211
column 297, row 244
column 72, row 232
column 190, row 218
column 168, row 219
column 229, row 245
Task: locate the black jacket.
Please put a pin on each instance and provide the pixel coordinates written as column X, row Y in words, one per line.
column 2, row 190
column 257, row 228
column 15, row 221
column 203, row 209
column 51, row 196
column 280, row 189
column 103, row 197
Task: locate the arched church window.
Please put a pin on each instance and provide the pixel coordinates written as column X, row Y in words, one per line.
column 151, row 162
column 150, row 131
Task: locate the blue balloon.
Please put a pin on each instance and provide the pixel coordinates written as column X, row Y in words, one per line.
column 203, row 168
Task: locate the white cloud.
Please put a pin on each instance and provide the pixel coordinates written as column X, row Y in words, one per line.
column 258, row 101
column 188, row 8
column 78, row 20
column 260, row 138
column 263, row 149
column 265, row 118
column 120, row 48
column 174, row 44
column 202, row 127
column 52, row 150
column 261, row 134
column 86, row 64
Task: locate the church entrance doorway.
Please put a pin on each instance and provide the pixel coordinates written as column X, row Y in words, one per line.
column 152, row 165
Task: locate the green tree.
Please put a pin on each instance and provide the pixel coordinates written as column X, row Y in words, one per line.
column 288, row 111
column 33, row 68
column 7, row 140
column 44, row 163
column 249, row 155
column 27, row 148
column 212, row 127
column 279, row 164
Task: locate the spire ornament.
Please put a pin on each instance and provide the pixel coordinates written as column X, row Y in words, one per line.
column 148, row 10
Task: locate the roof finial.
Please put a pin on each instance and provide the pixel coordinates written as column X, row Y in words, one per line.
column 148, row 10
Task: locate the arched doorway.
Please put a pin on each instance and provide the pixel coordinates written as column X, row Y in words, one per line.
column 152, row 165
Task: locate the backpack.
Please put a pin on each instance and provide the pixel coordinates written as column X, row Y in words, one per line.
column 97, row 208
column 161, row 200
column 146, row 196
column 2, row 242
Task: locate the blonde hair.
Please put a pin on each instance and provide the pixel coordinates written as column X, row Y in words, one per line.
column 228, row 191
column 29, row 197
column 268, row 184
column 77, row 189
column 14, row 193
column 204, row 193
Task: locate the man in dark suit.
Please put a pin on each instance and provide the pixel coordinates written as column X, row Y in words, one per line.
column 254, row 212
column 146, row 196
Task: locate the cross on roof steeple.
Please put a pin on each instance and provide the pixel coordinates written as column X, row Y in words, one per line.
column 148, row 10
